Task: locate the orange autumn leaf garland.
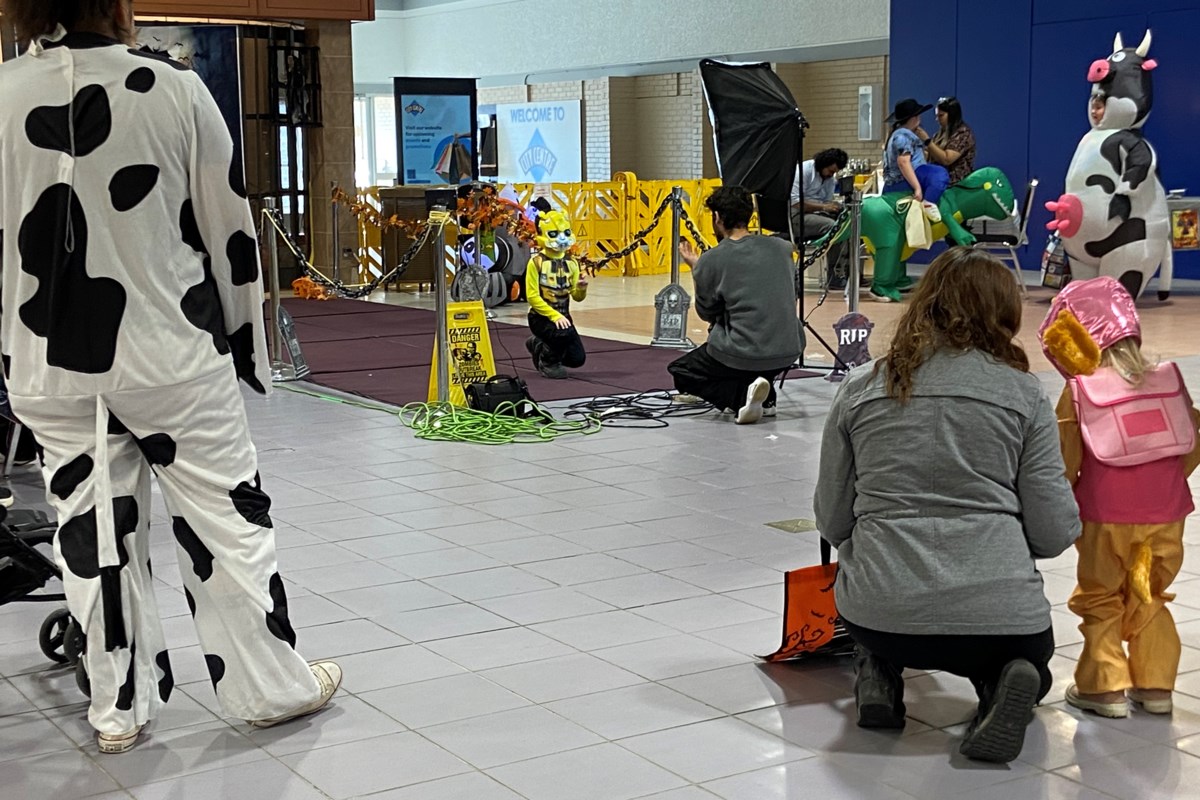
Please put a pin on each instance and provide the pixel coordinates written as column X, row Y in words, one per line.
column 306, row 288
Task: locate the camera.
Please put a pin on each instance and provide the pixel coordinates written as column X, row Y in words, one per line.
column 845, row 186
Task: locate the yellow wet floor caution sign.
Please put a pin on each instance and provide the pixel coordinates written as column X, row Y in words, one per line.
column 470, row 344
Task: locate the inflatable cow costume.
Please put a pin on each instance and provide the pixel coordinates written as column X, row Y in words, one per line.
column 1113, row 218
column 132, row 306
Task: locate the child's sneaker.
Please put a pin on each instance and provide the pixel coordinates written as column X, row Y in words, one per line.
column 932, row 212
column 1153, row 701
column 1098, row 704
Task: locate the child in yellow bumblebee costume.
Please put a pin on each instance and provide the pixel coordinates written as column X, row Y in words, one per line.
column 552, row 280
column 1129, row 442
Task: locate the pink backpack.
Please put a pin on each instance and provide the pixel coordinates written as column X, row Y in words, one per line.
column 1125, row 425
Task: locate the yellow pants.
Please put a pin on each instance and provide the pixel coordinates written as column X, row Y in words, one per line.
column 1112, row 613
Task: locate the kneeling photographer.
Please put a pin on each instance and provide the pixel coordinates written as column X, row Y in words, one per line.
column 746, row 290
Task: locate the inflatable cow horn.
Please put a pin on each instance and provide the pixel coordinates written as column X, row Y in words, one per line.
column 1118, row 45
column 1143, row 49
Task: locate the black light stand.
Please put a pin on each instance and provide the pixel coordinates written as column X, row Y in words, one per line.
column 801, row 127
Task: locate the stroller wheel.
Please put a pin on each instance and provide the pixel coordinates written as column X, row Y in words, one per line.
column 53, row 634
column 81, row 678
column 73, row 641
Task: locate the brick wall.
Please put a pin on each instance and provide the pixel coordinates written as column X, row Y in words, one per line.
column 560, row 90
column 597, row 157
column 622, row 124
column 827, row 93
column 490, row 95
column 668, row 127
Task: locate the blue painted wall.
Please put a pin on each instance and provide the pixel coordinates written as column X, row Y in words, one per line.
column 1019, row 69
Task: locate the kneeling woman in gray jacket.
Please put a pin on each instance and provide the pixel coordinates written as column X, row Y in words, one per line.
column 941, row 481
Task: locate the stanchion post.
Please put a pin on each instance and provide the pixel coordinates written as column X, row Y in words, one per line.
column 337, row 243
column 676, row 208
column 439, row 290
column 273, row 273
column 672, row 302
column 855, row 244
column 281, row 332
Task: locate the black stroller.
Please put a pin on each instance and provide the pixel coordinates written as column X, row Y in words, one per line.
column 23, row 571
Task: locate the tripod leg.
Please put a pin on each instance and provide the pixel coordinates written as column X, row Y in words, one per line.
column 837, row 359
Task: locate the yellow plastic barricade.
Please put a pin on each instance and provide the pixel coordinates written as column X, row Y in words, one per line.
column 607, row 215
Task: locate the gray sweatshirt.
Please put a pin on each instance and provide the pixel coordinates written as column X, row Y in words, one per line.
column 939, row 507
column 746, row 289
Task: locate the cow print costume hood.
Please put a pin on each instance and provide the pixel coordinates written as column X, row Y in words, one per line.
column 132, row 304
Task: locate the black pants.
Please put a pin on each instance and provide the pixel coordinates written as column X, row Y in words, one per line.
column 837, row 264
column 556, row 345
column 977, row 658
column 700, row 374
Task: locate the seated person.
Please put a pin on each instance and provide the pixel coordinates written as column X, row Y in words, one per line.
column 953, row 146
column 940, row 483
column 820, row 208
column 746, row 290
column 904, row 165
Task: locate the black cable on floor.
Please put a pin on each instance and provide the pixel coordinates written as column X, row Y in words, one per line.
column 644, row 410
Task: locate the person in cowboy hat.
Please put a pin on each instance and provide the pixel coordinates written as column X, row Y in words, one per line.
column 904, row 165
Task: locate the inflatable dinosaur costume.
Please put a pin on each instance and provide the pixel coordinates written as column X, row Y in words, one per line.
column 985, row 192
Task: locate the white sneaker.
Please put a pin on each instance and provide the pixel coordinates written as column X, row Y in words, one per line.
column 1111, row 710
column 329, row 675
column 1152, row 704
column 113, row 743
column 932, row 212
column 769, row 411
column 756, row 393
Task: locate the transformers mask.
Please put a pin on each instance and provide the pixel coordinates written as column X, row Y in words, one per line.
column 555, row 236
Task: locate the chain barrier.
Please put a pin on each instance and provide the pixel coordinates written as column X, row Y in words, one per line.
column 691, row 226
column 819, row 247
column 639, row 239
column 348, row 291
column 822, row 243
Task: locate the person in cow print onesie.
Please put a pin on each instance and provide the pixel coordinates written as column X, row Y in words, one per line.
column 132, row 304
column 1113, row 218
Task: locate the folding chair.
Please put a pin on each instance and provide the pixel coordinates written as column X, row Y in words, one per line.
column 1004, row 237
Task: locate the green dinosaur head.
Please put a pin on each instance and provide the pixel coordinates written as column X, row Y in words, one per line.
column 986, row 192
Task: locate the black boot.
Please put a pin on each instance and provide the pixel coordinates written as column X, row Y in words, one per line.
column 533, row 345
column 878, row 692
column 997, row 733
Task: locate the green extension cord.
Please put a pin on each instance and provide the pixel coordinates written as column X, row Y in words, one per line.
column 444, row 422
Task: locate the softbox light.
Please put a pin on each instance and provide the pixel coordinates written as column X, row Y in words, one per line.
column 758, row 133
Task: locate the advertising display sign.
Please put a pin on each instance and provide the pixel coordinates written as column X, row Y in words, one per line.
column 435, row 131
column 539, row 142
